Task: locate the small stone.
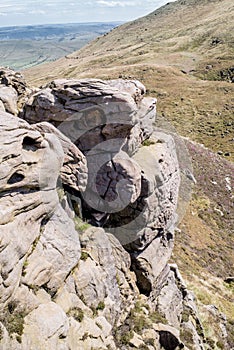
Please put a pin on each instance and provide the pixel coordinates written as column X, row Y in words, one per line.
column 136, row 341
column 104, row 325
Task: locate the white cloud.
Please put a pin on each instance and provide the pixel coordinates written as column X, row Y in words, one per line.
column 140, row 4
column 116, row 3
column 37, row 12
column 5, row 6
column 65, row 11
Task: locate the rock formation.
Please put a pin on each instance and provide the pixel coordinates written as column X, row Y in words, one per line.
column 88, row 197
column 13, row 91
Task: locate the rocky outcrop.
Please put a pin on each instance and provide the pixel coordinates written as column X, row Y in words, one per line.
column 13, row 91
column 103, row 109
column 135, row 197
column 28, row 199
column 87, row 217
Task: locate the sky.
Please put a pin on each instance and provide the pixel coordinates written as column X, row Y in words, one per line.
column 26, row 12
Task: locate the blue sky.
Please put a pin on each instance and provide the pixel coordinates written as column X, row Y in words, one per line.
column 24, row 12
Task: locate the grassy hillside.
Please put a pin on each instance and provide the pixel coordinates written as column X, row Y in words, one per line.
column 183, row 53
column 204, row 244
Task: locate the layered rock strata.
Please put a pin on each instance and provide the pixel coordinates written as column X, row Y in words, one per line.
column 88, row 209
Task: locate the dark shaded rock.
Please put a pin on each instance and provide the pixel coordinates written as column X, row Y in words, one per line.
column 168, row 341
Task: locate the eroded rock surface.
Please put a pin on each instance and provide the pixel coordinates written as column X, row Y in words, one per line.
column 135, row 197
column 103, row 110
column 74, row 172
column 39, row 244
column 69, row 285
column 13, row 90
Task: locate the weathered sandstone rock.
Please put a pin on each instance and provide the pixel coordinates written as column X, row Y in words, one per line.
column 9, row 98
column 27, row 193
column 57, row 252
column 67, row 285
column 92, row 111
column 13, row 90
column 153, row 214
column 74, row 169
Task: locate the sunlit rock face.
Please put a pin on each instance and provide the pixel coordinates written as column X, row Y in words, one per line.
column 30, row 165
column 13, row 91
column 88, row 197
column 132, row 190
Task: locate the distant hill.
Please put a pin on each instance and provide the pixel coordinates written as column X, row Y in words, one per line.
column 184, row 54
column 50, row 31
column 27, row 46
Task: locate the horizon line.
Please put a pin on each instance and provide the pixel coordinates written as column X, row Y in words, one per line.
column 68, row 23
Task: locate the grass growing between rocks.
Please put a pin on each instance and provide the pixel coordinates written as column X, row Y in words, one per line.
column 13, row 320
column 148, row 143
column 139, row 319
column 77, row 314
column 84, row 255
column 211, row 291
column 100, row 307
column 81, row 225
column 61, row 193
column 186, row 336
